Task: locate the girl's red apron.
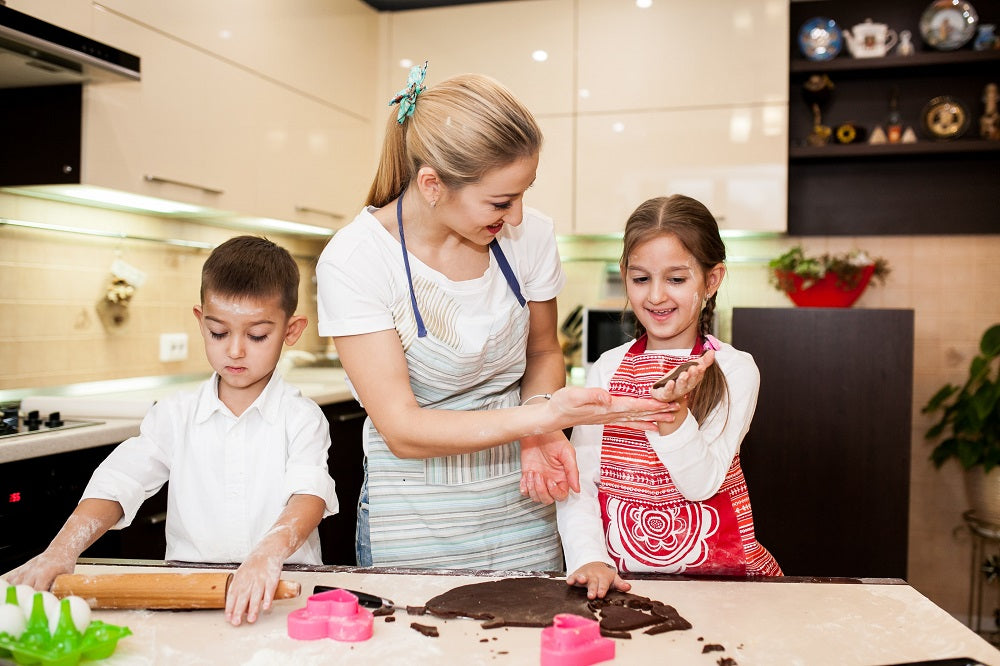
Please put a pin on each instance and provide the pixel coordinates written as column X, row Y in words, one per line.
column 648, row 524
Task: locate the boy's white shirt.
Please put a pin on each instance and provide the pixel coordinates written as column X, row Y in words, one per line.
column 230, row 477
column 697, row 458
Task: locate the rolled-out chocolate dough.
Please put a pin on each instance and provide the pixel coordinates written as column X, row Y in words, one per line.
column 532, row 602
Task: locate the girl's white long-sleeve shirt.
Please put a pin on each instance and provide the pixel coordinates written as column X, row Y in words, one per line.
column 696, row 457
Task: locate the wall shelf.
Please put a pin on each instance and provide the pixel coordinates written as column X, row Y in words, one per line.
column 928, row 187
column 864, row 150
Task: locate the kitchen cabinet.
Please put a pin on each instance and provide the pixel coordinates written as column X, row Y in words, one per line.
column 634, row 102
column 346, row 462
column 197, row 129
column 928, row 187
column 827, row 457
column 325, row 49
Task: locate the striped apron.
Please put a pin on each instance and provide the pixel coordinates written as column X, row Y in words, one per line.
column 466, row 510
column 648, row 524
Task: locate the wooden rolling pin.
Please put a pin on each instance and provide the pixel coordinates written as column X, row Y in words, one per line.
column 158, row 591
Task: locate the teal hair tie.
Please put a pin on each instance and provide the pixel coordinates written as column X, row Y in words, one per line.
column 407, row 97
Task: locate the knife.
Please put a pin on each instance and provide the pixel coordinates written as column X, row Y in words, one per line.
column 364, row 599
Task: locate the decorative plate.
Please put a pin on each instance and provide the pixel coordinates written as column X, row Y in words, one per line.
column 947, row 25
column 945, row 118
column 820, row 39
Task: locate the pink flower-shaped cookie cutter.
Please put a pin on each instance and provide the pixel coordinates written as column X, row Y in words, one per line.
column 334, row 614
column 574, row 641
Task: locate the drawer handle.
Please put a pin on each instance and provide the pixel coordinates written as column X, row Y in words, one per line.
column 157, row 179
column 156, row 518
column 307, row 209
column 341, row 418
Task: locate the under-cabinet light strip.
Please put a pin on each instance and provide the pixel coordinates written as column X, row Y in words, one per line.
column 80, row 231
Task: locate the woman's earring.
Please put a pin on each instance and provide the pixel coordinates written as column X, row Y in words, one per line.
column 434, row 202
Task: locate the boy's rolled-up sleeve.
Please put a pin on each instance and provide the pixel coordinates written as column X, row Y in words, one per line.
column 306, row 469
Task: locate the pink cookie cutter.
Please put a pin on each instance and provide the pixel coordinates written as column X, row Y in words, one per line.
column 574, row 641
column 334, row 614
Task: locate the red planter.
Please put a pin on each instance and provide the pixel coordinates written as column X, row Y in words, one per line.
column 825, row 293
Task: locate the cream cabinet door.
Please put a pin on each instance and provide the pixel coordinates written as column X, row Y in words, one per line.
column 324, row 48
column 502, row 39
column 734, row 160
column 314, row 164
column 74, row 15
column 182, row 133
column 552, row 192
column 681, row 54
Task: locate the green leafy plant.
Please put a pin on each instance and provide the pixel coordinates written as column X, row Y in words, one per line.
column 847, row 267
column 970, row 414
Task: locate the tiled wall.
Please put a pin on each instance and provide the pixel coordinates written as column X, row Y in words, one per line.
column 50, row 334
column 50, row 282
column 953, row 285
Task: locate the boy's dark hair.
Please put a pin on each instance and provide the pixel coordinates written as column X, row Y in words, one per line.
column 252, row 267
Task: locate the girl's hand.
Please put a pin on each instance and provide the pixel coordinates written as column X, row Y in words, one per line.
column 252, row 587
column 598, row 578
column 40, row 571
column 676, row 389
column 574, row 405
column 548, row 467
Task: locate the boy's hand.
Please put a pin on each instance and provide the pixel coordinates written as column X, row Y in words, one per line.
column 252, row 587
column 548, row 467
column 598, row 578
column 40, row 571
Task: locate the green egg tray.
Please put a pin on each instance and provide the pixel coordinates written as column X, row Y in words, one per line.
column 66, row 646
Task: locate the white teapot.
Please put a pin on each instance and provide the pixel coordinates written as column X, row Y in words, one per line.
column 870, row 40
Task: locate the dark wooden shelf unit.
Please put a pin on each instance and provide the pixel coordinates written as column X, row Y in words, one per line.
column 929, row 187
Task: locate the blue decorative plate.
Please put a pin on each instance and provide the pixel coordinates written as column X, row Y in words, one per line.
column 820, row 39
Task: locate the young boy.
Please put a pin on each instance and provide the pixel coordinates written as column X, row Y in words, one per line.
column 245, row 454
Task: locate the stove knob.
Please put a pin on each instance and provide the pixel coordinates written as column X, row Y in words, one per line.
column 32, row 421
column 54, row 420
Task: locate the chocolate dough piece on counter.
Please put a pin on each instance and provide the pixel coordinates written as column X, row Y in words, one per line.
column 532, row 602
column 425, row 629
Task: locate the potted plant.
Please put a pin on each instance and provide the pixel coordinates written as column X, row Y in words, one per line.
column 970, row 426
column 829, row 280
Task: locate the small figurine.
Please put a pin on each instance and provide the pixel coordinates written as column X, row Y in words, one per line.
column 878, row 136
column 909, row 136
column 905, row 47
column 816, row 92
column 989, row 123
column 986, row 38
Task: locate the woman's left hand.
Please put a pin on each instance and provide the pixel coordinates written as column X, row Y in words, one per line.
column 548, row 467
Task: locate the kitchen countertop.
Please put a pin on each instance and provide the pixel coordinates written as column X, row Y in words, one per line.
column 324, row 385
column 783, row 621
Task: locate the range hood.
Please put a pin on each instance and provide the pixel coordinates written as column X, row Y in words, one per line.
column 35, row 53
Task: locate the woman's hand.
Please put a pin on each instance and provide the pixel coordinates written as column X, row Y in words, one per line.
column 598, row 578
column 548, row 467
column 252, row 587
column 575, row 405
column 677, row 389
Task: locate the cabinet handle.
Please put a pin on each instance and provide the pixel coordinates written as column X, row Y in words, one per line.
column 342, row 418
column 157, row 179
column 156, row 518
column 307, row 209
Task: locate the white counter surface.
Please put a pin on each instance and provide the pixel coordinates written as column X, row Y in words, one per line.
column 323, row 385
column 765, row 623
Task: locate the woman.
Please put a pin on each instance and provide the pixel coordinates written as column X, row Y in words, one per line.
column 440, row 297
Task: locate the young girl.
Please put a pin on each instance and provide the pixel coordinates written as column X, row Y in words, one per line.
column 673, row 501
column 440, row 297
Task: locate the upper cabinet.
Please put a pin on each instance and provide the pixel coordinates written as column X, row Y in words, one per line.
column 258, row 118
column 929, row 186
column 322, row 48
column 635, row 103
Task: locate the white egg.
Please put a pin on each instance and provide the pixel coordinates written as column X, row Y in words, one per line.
column 78, row 610
column 25, row 599
column 11, row 620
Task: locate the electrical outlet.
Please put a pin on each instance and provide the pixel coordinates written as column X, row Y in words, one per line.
column 173, row 347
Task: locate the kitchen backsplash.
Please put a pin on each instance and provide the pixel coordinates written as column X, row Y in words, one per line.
column 51, row 332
